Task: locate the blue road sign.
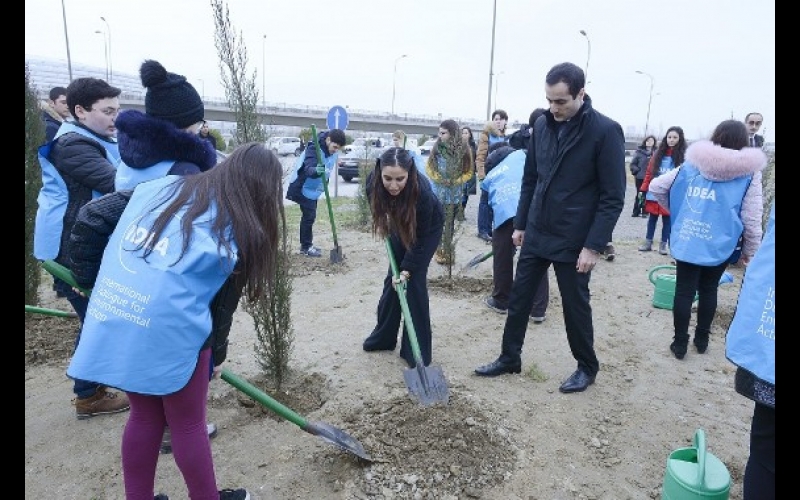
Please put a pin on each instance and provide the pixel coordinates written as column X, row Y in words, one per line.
column 337, row 118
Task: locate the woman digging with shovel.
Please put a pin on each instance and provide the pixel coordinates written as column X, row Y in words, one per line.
column 404, row 209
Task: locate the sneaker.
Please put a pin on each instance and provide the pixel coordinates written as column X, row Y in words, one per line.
column 102, row 402
column 678, row 349
column 494, row 306
column 485, row 237
column 608, row 253
column 312, row 251
column 231, row 494
column 538, row 319
column 166, row 441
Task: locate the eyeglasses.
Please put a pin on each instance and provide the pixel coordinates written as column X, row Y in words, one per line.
column 754, row 123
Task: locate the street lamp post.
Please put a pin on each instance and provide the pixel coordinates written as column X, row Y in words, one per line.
column 649, row 101
column 202, row 89
column 497, row 86
column 588, row 54
column 491, row 65
column 264, row 71
column 105, row 47
column 66, row 39
column 394, row 79
column 110, row 59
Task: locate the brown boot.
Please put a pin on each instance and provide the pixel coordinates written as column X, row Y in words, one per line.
column 440, row 257
column 101, row 403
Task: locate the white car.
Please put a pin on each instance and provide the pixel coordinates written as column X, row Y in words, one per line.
column 284, row 146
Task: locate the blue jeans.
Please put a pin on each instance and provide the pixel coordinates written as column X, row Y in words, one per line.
column 81, row 388
column 484, row 214
column 666, row 226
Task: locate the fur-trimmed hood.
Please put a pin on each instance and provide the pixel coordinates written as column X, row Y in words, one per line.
column 716, row 163
column 490, row 129
column 145, row 140
column 48, row 109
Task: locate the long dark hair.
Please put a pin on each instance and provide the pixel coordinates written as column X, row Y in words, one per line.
column 677, row 152
column 731, row 134
column 644, row 142
column 246, row 193
column 395, row 213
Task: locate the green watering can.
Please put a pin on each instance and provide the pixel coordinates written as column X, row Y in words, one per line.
column 694, row 474
column 664, row 294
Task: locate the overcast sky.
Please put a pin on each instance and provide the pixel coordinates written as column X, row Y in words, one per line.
column 710, row 60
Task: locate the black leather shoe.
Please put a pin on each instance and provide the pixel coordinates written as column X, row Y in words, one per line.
column 498, row 367
column 577, row 382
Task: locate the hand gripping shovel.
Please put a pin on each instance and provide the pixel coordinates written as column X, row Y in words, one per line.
column 425, row 383
column 327, row 432
column 336, row 253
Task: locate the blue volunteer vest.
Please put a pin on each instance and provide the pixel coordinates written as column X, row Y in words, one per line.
column 666, row 165
column 128, row 178
column 503, row 184
column 706, row 223
column 313, row 188
column 750, row 341
column 53, row 195
column 419, row 162
column 148, row 318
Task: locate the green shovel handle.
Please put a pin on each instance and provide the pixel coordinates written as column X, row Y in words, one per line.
column 262, row 397
column 324, row 184
column 64, row 275
column 401, row 292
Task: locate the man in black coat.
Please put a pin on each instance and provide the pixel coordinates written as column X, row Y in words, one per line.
column 573, row 192
column 753, row 122
column 55, row 111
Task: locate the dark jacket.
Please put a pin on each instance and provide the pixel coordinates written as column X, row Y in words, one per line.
column 88, row 240
column 498, row 155
column 210, row 138
column 51, row 125
column 638, row 165
column 82, row 164
column 145, row 141
column 308, row 169
column 520, row 138
column 430, row 221
column 573, row 187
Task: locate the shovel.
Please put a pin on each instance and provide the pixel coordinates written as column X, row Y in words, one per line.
column 336, row 253
column 50, row 312
column 425, row 383
column 63, row 274
column 327, row 432
column 478, row 259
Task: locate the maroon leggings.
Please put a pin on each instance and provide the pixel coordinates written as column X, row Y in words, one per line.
column 185, row 413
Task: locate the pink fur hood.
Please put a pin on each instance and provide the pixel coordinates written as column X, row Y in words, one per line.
column 721, row 164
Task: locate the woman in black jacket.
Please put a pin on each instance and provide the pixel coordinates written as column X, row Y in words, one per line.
column 405, row 209
column 638, row 167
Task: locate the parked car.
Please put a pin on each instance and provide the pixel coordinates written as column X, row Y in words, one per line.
column 352, row 163
column 284, row 146
column 364, row 142
column 425, row 149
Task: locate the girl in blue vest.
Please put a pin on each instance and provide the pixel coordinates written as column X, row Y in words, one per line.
column 750, row 345
column 668, row 156
column 405, row 209
column 183, row 251
column 714, row 198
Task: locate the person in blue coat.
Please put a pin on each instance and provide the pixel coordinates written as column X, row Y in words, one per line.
column 183, row 250
column 405, row 209
column 305, row 184
column 750, row 345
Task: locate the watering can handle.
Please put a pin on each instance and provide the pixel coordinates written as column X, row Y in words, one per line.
column 700, row 445
column 657, row 268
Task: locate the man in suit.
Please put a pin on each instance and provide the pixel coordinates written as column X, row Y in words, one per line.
column 753, row 122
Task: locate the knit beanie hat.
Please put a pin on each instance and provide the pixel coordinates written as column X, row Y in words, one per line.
column 169, row 96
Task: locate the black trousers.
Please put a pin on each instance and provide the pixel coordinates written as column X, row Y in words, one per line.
column 691, row 279
column 503, row 271
column 574, row 289
column 759, row 473
column 389, row 312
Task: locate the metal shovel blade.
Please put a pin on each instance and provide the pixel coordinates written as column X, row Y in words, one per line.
column 338, row 438
column 336, row 255
column 427, row 384
column 478, row 259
